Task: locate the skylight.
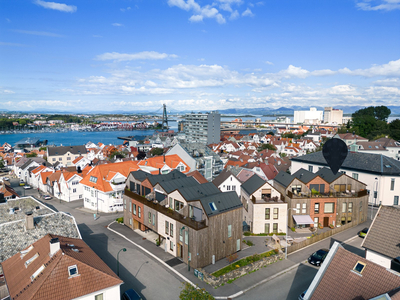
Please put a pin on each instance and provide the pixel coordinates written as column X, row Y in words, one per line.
column 73, row 270
column 359, row 267
column 93, row 179
column 37, row 272
column 25, row 252
column 29, row 261
column 212, row 206
column 388, row 166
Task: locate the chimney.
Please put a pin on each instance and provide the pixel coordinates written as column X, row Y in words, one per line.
column 29, row 223
column 54, row 246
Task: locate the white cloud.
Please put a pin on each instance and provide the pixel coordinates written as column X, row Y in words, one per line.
column 200, row 13
column 390, row 69
column 117, row 24
column 247, row 13
column 8, row 20
column 41, row 33
column 234, row 15
column 386, row 5
column 151, row 55
column 57, row 6
column 45, row 103
column 12, row 44
column 293, row 71
column 7, row 92
column 125, row 9
column 341, row 89
column 269, row 63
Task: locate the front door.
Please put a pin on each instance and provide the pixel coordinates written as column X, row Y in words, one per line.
column 180, row 251
column 135, row 224
column 326, row 221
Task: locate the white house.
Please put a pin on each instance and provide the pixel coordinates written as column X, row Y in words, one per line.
column 227, row 182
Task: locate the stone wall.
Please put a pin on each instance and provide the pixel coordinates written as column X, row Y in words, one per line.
column 239, row 272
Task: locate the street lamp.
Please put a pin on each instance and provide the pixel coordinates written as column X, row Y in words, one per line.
column 375, row 188
column 287, row 225
column 123, row 249
column 183, row 228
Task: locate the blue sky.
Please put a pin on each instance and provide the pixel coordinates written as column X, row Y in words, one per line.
column 97, row 55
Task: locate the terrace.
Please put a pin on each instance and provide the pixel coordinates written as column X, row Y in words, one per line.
column 154, row 204
column 331, row 194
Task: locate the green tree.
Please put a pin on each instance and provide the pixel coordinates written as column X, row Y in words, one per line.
column 1, row 164
column 32, row 154
column 189, row 292
column 266, row 146
column 370, row 122
column 394, row 129
column 117, row 155
column 43, row 148
column 382, row 113
column 156, row 151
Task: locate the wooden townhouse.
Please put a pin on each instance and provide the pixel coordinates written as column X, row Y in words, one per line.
column 195, row 222
column 322, row 198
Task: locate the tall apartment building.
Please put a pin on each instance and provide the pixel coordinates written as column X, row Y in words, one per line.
column 333, row 115
column 203, row 128
column 312, row 116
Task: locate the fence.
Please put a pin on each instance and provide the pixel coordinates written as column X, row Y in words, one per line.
column 320, row 237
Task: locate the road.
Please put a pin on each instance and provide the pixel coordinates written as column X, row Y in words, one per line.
column 291, row 284
column 136, row 269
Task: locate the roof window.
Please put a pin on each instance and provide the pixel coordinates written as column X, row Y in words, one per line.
column 29, row 261
column 25, row 252
column 72, row 270
column 212, row 206
column 93, row 179
column 38, row 271
column 388, row 166
column 359, row 267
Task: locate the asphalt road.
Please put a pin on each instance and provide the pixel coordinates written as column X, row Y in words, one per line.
column 136, row 269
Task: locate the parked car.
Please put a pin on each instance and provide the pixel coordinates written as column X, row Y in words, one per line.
column 46, row 197
column 27, row 187
column 6, row 179
column 301, row 296
column 363, row 232
column 131, row 294
column 21, row 182
column 318, row 257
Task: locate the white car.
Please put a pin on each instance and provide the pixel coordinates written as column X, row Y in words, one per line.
column 46, row 197
column 27, row 187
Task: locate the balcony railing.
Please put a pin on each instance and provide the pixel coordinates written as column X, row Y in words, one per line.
column 166, row 211
column 267, row 200
column 335, row 194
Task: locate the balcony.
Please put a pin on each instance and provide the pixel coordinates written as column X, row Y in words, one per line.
column 264, row 200
column 166, row 211
column 334, row 194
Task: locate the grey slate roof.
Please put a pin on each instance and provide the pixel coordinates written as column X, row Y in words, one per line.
column 253, row 184
column 140, row 175
column 284, row 178
column 224, row 175
column 178, row 183
column 199, row 191
column 328, row 175
column 384, row 235
column 358, row 161
column 223, row 201
column 304, row 175
column 61, row 150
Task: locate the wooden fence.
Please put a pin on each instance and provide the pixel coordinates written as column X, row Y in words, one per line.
column 319, row 237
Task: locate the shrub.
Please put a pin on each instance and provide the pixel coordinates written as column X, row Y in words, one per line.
column 249, row 243
column 293, row 229
column 120, row 220
column 190, row 292
column 247, row 233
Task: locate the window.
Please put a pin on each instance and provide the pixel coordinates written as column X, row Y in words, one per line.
column 329, row 208
column 316, row 221
column 93, row 179
column 154, row 219
column 266, row 228
column 68, row 158
column 54, row 159
column 134, row 209
column 190, row 211
column 355, row 176
column 228, row 187
column 139, row 211
column 149, row 217
column 310, row 168
column 267, row 214
column 73, row 270
column 60, row 159
column 181, row 234
column 304, row 208
column 212, row 206
column 233, row 187
column 171, row 245
column 316, row 208
column 396, row 200
column 229, row 231
column 392, row 184
column 344, row 207
column 275, row 227
column 359, row 267
column 171, row 230
column 350, row 207
column 27, row 263
column 276, row 213
column 98, row 297
column 166, row 227
column 130, row 206
column 186, row 237
column 130, row 221
column 178, row 205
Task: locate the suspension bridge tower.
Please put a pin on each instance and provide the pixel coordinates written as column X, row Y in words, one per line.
column 164, row 118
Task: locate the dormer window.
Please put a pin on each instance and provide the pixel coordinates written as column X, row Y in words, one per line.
column 72, row 270
column 359, row 267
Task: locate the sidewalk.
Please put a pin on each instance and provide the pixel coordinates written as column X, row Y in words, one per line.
column 240, row 285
